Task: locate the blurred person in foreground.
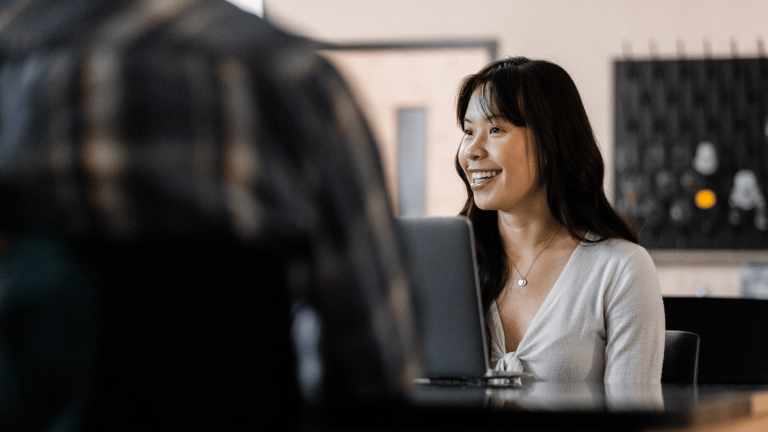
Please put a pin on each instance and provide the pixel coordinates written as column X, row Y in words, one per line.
column 196, row 230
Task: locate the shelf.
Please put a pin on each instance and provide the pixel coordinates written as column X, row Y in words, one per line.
column 706, row 257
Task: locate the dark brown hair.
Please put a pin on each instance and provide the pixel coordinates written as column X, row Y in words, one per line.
column 541, row 96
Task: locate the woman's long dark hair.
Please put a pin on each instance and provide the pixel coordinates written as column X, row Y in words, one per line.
column 541, row 96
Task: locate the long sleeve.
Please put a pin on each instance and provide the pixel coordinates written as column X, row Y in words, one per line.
column 358, row 285
column 634, row 322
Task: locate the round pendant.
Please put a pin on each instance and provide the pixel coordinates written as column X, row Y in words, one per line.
column 522, row 282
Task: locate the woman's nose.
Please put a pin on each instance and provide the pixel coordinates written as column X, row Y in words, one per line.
column 475, row 150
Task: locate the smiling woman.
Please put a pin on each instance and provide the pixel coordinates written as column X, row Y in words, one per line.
column 576, row 304
column 496, row 158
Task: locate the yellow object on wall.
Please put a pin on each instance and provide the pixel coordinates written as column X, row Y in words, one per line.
column 705, row 199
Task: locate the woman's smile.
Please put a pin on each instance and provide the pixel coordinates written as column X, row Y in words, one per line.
column 480, row 178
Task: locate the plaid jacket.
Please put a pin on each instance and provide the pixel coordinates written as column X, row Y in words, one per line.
column 190, row 119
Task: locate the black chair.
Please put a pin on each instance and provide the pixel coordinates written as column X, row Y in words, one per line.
column 733, row 331
column 681, row 357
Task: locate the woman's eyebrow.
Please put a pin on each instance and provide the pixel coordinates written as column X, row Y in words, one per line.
column 491, row 119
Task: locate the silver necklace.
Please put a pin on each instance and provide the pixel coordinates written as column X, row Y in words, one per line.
column 523, row 281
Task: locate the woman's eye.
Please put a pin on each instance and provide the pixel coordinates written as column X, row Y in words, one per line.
column 468, row 132
column 495, row 130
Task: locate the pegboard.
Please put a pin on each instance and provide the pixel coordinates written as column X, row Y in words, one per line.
column 691, row 151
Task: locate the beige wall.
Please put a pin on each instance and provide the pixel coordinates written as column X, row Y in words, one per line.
column 583, row 36
column 386, row 81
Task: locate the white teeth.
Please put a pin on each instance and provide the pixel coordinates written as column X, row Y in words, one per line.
column 478, row 177
column 483, row 174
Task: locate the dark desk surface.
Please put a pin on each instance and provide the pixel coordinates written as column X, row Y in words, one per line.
column 569, row 407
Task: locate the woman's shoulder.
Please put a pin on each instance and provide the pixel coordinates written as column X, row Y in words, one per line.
column 614, row 248
column 629, row 264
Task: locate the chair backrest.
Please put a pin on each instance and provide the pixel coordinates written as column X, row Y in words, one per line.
column 734, row 344
column 681, row 357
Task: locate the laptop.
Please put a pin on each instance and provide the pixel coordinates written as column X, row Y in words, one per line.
column 442, row 255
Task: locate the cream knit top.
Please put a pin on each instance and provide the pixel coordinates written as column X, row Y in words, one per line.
column 602, row 321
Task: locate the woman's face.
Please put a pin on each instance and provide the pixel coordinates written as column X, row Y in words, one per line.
column 498, row 159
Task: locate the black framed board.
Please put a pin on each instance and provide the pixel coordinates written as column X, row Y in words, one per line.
column 691, row 151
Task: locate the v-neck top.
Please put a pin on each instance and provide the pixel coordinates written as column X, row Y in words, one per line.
column 603, row 320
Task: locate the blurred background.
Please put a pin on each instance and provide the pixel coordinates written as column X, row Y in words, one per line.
column 676, row 90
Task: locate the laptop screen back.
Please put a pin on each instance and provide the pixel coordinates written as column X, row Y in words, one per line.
column 442, row 254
